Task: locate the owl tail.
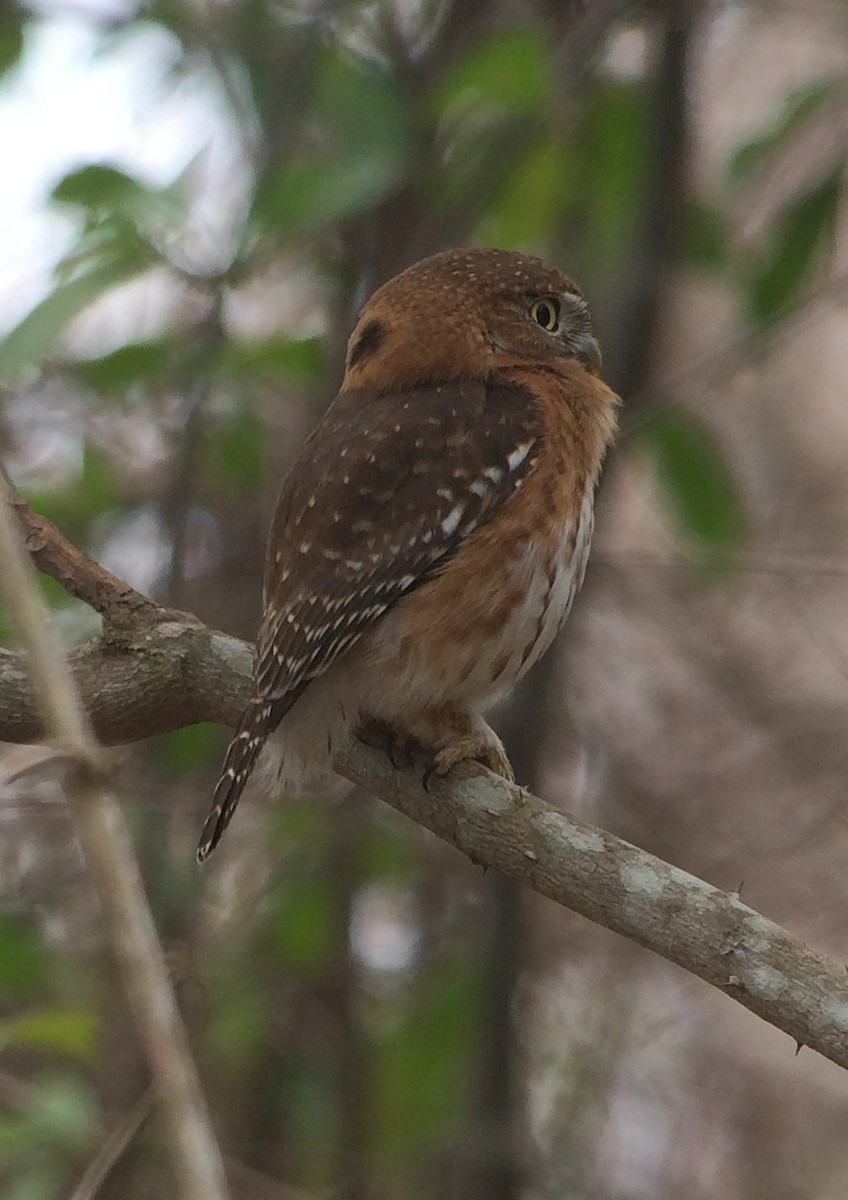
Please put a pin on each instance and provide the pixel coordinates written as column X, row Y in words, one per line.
column 242, row 752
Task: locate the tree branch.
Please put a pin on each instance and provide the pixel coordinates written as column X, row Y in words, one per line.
column 175, row 671
column 167, row 675
column 710, row 933
column 106, row 844
column 79, row 575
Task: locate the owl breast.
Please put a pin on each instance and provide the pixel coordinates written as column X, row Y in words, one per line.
column 462, row 639
column 472, row 632
column 556, row 569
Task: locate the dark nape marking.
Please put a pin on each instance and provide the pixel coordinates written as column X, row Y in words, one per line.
column 368, row 343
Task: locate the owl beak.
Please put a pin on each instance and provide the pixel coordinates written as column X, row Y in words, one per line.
column 589, row 353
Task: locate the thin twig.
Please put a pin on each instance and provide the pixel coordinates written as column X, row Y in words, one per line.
column 79, row 575
column 108, row 850
column 113, row 1147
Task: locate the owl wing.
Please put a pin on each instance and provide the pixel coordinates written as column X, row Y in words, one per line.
column 382, row 494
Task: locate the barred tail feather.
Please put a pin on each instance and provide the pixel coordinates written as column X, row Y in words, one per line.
column 242, row 752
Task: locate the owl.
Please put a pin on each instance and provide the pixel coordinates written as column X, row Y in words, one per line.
column 434, row 530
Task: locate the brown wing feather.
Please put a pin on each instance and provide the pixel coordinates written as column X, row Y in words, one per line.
column 384, row 491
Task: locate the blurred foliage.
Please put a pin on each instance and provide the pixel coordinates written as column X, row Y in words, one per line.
column 354, row 151
column 699, row 486
column 802, row 228
column 363, row 150
column 11, row 38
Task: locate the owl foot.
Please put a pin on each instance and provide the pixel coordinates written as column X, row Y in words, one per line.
column 439, row 744
column 400, row 747
column 490, row 753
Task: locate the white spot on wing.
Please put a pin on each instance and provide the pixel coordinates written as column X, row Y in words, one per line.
column 451, row 521
column 517, row 457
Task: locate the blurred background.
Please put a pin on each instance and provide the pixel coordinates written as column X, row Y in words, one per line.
column 195, row 197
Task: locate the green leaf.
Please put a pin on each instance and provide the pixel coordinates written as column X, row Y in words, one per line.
column 357, row 153
column 97, row 484
column 613, row 149
column 361, row 108
column 60, row 1119
column 105, row 190
column 800, row 108
column 25, row 963
column 37, row 334
column 310, row 194
column 115, row 374
column 63, row 1031
column 302, row 929
column 11, row 39
column 236, row 451
column 510, row 70
column 387, row 855
column 705, row 238
column 40, row 1181
column 422, row 1061
column 298, row 359
column 97, row 186
column 529, row 204
column 64, row 1112
column 188, row 750
column 800, row 230
column 697, row 482
column 73, row 506
column 238, row 1029
column 479, row 160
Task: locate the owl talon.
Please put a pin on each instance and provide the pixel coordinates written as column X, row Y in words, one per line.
column 488, row 753
column 398, row 746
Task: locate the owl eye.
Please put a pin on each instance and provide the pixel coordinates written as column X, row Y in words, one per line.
column 546, row 313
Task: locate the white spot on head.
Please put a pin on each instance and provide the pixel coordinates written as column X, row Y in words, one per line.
column 479, row 488
column 305, row 547
column 494, row 473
